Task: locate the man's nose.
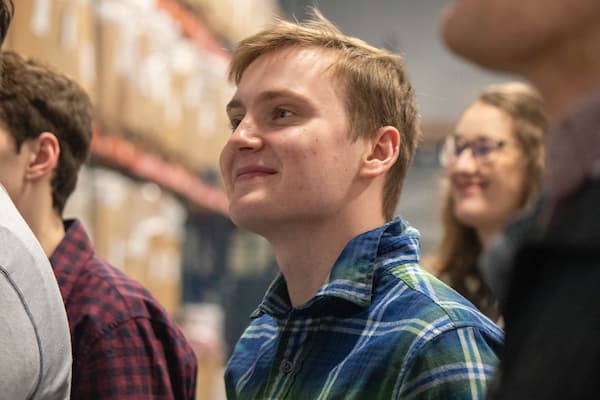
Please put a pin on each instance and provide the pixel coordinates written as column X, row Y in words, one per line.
column 245, row 136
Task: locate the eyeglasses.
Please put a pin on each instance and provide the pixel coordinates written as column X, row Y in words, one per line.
column 482, row 149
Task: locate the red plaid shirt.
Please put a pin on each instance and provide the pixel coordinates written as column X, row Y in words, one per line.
column 125, row 346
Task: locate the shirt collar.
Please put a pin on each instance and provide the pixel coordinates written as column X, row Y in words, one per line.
column 69, row 258
column 351, row 277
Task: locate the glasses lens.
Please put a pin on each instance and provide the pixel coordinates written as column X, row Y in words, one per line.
column 485, row 147
column 460, row 145
column 481, row 149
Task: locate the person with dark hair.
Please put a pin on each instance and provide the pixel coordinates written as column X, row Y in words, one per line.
column 324, row 127
column 124, row 344
column 545, row 268
column 35, row 346
column 493, row 164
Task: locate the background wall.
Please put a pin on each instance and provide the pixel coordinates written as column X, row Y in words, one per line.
column 444, row 83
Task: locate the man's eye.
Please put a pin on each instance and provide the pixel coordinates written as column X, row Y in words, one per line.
column 279, row 113
column 234, row 122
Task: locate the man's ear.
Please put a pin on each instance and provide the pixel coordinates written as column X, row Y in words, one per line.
column 383, row 152
column 44, row 151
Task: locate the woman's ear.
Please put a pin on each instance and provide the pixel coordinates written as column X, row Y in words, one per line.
column 383, row 152
column 44, row 152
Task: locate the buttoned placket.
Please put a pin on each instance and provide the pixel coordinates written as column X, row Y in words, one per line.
column 283, row 365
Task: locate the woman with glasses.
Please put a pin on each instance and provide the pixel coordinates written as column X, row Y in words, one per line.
column 493, row 165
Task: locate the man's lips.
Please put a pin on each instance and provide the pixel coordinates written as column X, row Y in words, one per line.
column 252, row 171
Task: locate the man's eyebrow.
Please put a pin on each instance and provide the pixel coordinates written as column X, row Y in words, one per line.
column 267, row 96
column 233, row 104
column 282, row 93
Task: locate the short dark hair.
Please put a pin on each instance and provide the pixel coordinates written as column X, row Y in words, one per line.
column 6, row 12
column 34, row 98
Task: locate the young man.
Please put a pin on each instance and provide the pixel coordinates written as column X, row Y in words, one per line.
column 35, row 347
column 324, row 128
column 125, row 346
column 546, row 267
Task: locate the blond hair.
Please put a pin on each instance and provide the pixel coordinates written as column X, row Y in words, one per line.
column 374, row 82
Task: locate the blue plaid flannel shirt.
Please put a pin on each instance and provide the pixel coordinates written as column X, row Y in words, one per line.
column 379, row 328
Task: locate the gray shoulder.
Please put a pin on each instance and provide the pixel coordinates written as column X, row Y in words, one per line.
column 37, row 319
column 20, row 357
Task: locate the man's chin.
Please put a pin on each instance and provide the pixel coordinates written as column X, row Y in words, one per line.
column 248, row 219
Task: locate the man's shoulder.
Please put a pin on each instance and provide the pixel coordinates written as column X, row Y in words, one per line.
column 415, row 332
column 17, row 250
column 90, row 277
column 109, row 296
column 98, row 295
column 421, row 296
column 26, row 269
column 19, row 370
column 407, row 302
column 20, row 248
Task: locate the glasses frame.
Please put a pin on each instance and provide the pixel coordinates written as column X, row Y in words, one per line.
column 482, row 149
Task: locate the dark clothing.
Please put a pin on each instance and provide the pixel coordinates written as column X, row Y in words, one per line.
column 572, row 156
column 551, row 260
column 125, row 346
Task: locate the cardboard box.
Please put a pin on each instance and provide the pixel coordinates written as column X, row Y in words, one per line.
column 205, row 122
column 75, row 50
column 153, row 253
column 33, row 30
column 110, row 215
column 60, row 33
column 112, row 79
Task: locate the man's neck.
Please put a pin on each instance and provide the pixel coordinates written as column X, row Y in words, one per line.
column 47, row 226
column 567, row 73
column 306, row 254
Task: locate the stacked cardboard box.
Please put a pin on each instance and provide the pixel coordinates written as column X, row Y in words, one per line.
column 60, row 32
column 146, row 80
column 233, row 20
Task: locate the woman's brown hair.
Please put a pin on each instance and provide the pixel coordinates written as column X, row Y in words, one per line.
column 456, row 258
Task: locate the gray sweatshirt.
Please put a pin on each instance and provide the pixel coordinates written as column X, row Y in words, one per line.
column 35, row 347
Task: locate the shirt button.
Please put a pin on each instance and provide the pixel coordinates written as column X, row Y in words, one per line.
column 286, row 367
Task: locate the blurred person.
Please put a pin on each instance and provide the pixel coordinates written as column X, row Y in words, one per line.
column 545, row 268
column 124, row 344
column 493, row 164
column 35, row 348
column 324, row 127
